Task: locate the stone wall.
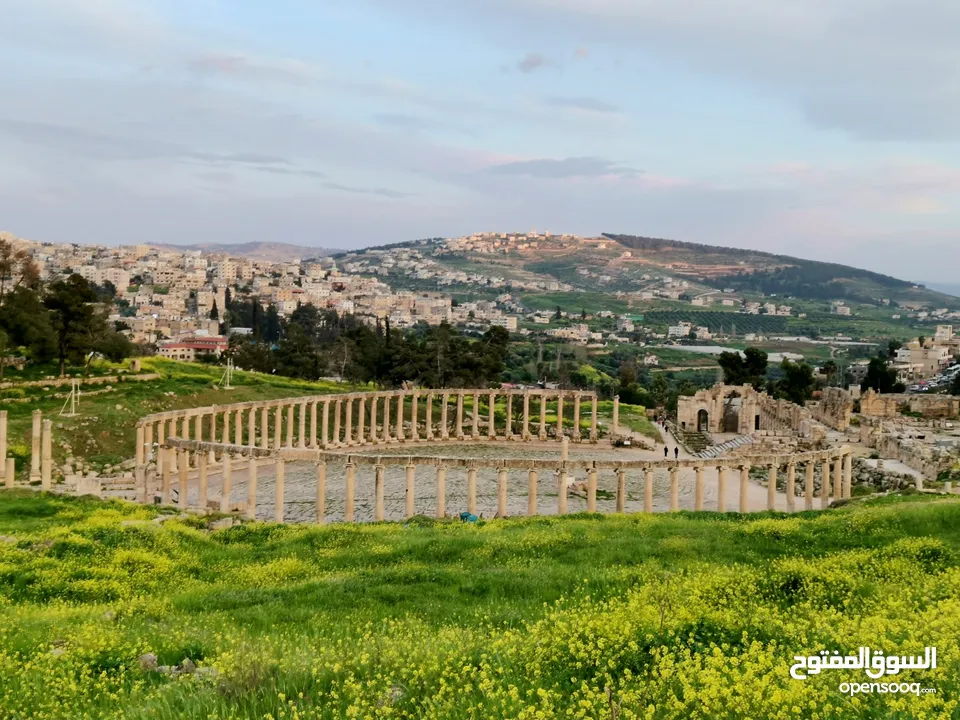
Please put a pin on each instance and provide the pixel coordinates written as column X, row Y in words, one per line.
column 873, row 404
column 835, row 408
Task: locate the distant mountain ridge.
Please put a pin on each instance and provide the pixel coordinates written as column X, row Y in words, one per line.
column 256, row 250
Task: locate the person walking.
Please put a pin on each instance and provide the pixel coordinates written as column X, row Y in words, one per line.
column 676, row 453
column 665, row 451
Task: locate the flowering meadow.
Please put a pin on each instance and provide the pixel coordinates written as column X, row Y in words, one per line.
column 106, row 613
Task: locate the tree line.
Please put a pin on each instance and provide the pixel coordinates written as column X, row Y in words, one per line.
column 315, row 343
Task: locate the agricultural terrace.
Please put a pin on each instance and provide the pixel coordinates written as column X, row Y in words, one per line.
column 109, row 613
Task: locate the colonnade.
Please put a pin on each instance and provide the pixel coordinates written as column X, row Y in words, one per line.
column 800, row 471
column 357, row 419
column 41, row 452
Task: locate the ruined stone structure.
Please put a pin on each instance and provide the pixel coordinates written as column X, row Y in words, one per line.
column 873, row 404
column 906, row 447
column 834, row 409
column 744, row 411
column 179, row 449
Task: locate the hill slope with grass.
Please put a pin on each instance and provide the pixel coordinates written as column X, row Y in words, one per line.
column 103, row 433
column 108, row 614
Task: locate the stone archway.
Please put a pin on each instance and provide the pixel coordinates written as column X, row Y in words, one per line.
column 703, row 421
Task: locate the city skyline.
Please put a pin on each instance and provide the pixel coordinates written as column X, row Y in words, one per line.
column 826, row 135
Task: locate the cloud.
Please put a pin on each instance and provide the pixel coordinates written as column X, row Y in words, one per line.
column 244, row 67
column 532, row 62
column 880, row 71
column 582, row 53
column 588, row 104
column 382, row 192
column 577, row 167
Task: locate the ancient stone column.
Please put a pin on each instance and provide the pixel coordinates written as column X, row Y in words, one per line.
column 321, row 504
column 374, row 401
column 847, row 475
column 615, row 430
column 564, row 449
column 251, row 487
column 543, row 417
column 508, row 426
column 161, row 455
column 213, row 431
column 459, row 427
column 791, row 486
column 361, row 419
column 621, row 491
column 576, row 417
column 825, row 485
column 313, row 424
column 415, row 417
column 648, row 490
column 148, row 442
column 593, row 420
column 337, row 414
column 442, row 490
column 563, row 487
column 698, row 490
column 183, row 489
column 139, row 440
column 237, row 428
column 475, row 418
column 492, row 413
column 721, row 489
column 525, row 430
column 302, row 425
column 772, row 487
column 592, row 490
column 226, row 427
column 202, row 482
column 674, row 489
column 325, row 425
column 744, row 489
column 444, row 429
column 168, row 460
column 502, row 492
column 378, row 513
column 348, row 421
column 265, row 428
column 350, row 493
column 227, row 487
column 559, row 415
column 401, row 402
column 838, row 478
column 252, row 427
column 808, row 487
column 46, row 460
column 533, row 479
column 11, row 472
column 278, row 483
column 387, row 435
column 428, row 417
column 410, row 498
column 290, row 426
column 472, row 490
column 278, row 428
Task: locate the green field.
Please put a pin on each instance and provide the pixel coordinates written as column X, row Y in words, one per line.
column 665, row 616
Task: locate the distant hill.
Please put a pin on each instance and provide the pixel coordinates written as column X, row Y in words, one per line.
column 257, row 250
column 769, row 273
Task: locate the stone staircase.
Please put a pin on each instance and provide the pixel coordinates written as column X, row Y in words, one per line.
column 724, row 447
column 694, row 442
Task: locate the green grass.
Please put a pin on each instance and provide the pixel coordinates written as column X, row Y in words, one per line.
column 677, row 616
column 106, row 424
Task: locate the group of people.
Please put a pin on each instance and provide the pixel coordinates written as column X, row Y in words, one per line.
column 676, row 452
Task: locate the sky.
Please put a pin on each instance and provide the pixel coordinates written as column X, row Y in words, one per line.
column 826, row 129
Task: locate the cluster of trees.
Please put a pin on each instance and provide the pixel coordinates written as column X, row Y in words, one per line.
column 314, row 343
column 796, row 381
column 65, row 320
